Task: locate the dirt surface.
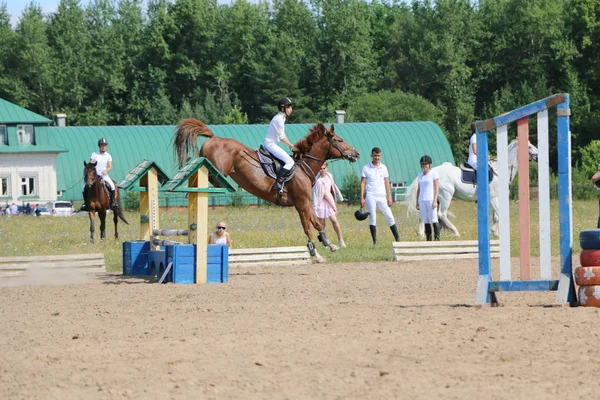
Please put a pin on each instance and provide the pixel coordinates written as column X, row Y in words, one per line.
column 340, row 331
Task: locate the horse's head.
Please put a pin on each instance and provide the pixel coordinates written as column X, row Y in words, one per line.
column 339, row 147
column 323, row 144
column 89, row 173
column 533, row 152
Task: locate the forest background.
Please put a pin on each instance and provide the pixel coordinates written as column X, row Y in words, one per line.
column 130, row 62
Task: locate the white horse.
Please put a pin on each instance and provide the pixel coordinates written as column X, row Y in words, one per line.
column 451, row 186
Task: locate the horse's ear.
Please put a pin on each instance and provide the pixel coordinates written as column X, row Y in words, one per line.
column 84, row 164
column 332, row 129
column 329, row 132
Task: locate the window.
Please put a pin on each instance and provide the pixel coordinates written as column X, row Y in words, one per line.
column 25, row 134
column 28, row 186
column 4, row 186
column 3, row 135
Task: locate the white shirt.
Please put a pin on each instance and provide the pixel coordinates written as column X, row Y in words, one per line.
column 426, row 187
column 472, row 160
column 101, row 160
column 276, row 130
column 375, row 179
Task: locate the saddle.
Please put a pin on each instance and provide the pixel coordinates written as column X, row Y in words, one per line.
column 469, row 175
column 271, row 165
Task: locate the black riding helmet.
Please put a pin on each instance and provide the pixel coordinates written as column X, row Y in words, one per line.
column 361, row 216
column 286, row 101
column 102, row 141
column 426, row 160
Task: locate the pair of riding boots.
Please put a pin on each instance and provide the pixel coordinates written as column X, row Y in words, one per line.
column 436, row 231
column 393, row 228
column 113, row 203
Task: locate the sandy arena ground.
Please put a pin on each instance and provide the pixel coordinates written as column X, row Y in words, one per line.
column 339, row 331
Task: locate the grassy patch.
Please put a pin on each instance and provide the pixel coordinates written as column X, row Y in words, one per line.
column 266, row 227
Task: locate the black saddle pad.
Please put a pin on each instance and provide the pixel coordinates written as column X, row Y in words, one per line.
column 271, row 164
column 469, row 174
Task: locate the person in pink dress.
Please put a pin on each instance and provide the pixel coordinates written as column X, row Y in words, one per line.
column 324, row 202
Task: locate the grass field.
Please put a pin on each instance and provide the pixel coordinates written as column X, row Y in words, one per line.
column 264, row 227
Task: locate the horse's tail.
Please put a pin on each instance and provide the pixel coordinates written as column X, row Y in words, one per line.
column 186, row 137
column 119, row 213
column 411, row 200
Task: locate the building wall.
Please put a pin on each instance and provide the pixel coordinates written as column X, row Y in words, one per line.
column 41, row 166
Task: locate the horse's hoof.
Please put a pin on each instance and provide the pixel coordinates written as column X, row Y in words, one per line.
column 321, row 259
column 333, row 248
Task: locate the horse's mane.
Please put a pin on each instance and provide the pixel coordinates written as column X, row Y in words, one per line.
column 316, row 133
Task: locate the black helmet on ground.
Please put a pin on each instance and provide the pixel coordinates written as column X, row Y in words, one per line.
column 286, row 101
column 361, row 216
column 102, row 141
column 426, row 160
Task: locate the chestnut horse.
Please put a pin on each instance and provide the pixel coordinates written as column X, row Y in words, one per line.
column 237, row 160
column 99, row 201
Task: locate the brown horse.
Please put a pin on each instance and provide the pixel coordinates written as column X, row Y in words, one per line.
column 233, row 158
column 99, row 201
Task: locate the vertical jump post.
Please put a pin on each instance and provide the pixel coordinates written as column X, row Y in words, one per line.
column 486, row 286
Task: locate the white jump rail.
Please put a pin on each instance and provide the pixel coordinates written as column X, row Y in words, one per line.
column 269, row 256
column 17, row 266
column 447, row 250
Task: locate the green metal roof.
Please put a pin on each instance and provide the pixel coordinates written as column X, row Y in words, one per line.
column 13, row 114
column 402, row 143
column 132, row 180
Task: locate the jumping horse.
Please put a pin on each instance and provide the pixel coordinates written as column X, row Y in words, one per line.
column 237, row 160
column 452, row 186
column 98, row 196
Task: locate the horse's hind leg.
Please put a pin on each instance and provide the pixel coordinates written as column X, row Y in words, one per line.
column 444, row 199
column 116, row 221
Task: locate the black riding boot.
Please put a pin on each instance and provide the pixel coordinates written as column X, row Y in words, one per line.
column 428, row 232
column 394, row 229
column 278, row 185
column 373, row 229
column 113, row 203
column 436, row 231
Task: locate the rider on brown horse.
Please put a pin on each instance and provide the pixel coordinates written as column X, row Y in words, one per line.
column 276, row 134
column 103, row 161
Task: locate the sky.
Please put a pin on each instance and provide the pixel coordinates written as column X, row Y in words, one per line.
column 15, row 7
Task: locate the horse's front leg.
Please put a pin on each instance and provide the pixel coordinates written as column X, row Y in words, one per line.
column 307, row 218
column 102, row 216
column 92, row 216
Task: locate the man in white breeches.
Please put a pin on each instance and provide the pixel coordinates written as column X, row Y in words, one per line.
column 375, row 182
column 276, row 134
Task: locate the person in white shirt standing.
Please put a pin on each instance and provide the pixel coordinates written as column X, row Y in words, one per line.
column 375, row 181
column 276, row 134
column 427, row 196
column 103, row 161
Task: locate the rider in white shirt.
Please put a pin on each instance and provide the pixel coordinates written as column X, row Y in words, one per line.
column 276, row 134
column 103, row 161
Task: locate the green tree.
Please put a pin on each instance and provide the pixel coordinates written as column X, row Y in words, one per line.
column 68, row 49
column 387, row 106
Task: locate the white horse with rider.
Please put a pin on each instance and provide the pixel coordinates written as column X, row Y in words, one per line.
column 452, row 186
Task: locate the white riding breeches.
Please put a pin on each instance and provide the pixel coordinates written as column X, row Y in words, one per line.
column 106, row 178
column 379, row 201
column 280, row 154
column 428, row 213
